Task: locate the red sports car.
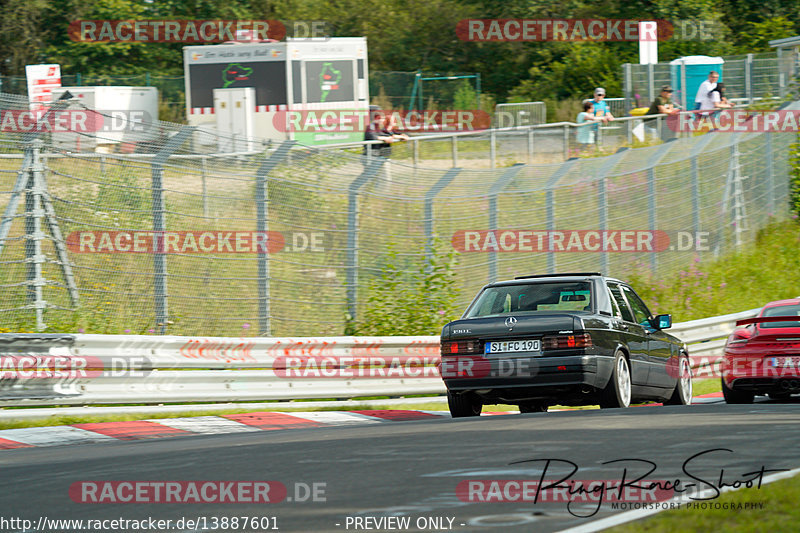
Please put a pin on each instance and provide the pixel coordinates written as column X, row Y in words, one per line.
column 762, row 355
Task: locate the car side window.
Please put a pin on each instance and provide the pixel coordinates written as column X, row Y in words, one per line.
column 625, row 311
column 614, row 306
column 640, row 311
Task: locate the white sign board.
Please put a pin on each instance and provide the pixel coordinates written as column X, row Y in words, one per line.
column 42, row 79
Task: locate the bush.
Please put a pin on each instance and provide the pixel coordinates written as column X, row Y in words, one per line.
column 404, row 301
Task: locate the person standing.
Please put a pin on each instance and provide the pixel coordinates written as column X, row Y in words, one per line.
column 702, row 100
column 585, row 134
column 601, row 110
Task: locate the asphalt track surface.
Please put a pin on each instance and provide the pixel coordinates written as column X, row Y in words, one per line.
column 411, row 469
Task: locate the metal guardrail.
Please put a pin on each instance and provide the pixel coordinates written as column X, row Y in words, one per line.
column 119, row 369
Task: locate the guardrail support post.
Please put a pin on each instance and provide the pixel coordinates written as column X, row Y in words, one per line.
column 496, row 188
column 159, row 226
column 372, row 168
column 262, row 227
column 443, row 182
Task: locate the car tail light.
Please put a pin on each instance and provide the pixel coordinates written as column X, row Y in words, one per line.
column 558, row 342
column 460, row 347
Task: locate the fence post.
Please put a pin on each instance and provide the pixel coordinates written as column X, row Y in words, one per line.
column 454, row 150
column 566, row 142
column 683, row 85
column 651, row 81
column 602, row 204
column 373, row 166
column 415, row 144
column 159, row 226
column 262, row 228
column 205, row 185
column 496, row 188
column 443, row 182
column 748, row 78
column 33, row 234
column 770, row 175
column 530, row 145
column 493, row 148
column 550, row 203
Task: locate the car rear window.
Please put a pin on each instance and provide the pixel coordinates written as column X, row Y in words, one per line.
column 782, row 310
column 533, row 297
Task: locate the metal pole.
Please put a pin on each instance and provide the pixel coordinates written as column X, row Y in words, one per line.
column 602, row 203
column 683, row 85
column 373, row 167
column 415, row 144
column 530, row 145
column 205, row 186
column 651, row 210
column 695, row 197
column 16, row 195
column 159, row 225
column 770, row 175
column 33, row 235
column 550, row 203
column 262, row 227
column 454, row 150
column 748, row 78
column 443, row 182
column 566, row 142
column 492, row 148
column 496, row 188
column 651, row 81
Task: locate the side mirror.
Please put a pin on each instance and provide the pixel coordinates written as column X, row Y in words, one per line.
column 662, row 321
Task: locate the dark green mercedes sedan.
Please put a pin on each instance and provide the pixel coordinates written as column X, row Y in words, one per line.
column 561, row 339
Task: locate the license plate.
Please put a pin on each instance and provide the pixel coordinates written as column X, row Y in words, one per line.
column 785, row 362
column 513, row 346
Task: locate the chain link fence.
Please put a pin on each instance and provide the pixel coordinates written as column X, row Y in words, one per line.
column 746, row 78
column 286, row 240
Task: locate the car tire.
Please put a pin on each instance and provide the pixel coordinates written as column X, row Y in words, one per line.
column 618, row 391
column 533, row 407
column 464, row 404
column 682, row 395
column 736, row 396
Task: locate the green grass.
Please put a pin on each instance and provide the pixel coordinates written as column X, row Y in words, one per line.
column 780, row 512
column 766, row 270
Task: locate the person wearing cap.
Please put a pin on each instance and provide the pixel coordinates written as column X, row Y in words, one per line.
column 662, row 105
column 601, row 110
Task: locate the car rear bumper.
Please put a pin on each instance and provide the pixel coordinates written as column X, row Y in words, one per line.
column 513, row 379
column 766, row 385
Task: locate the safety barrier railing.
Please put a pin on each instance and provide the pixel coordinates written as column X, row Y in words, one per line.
column 40, row 369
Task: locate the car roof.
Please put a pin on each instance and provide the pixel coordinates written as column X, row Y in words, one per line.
column 778, row 303
column 525, row 280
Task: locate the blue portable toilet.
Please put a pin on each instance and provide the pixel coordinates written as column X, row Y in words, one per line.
column 694, row 70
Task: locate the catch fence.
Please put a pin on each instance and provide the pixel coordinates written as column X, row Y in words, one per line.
column 148, row 234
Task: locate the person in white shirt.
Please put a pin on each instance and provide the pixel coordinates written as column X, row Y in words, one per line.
column 703, row 100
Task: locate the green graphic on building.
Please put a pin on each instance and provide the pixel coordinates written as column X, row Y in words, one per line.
column 329, row 79
column 235, row 72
